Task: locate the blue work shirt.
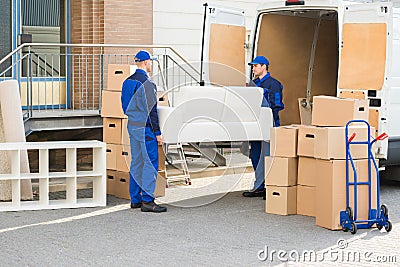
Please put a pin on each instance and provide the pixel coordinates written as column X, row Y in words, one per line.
column 139, row 101
column 272, row 95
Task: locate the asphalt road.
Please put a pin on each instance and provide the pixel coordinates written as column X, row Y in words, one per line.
column 229, row 231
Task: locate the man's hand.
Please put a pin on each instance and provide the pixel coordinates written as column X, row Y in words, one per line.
column 159, row 139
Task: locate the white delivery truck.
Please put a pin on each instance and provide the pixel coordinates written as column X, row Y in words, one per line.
column 317, row 47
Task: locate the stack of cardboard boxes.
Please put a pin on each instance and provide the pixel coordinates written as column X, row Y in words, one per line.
column 321, row 166
column 281, row 171
column 115, row 134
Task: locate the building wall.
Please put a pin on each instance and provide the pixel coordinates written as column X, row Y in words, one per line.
column 87, row 27
column 126, row 22
column 105, row 22
column 179, row 24
column 5, row 31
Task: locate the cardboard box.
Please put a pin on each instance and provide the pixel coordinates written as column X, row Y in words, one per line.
column 161, row 184
column 122, row 185
column 280, row 171
column 331, row 192
column 306, row 196
column 117, row 73
column 330, row 142
column 161, row 158
column 306, row 140
column 123, row 158
column 307, row 173
column 125, row 134
column 162, row 98
column 281, row 200
column 112, row 131
column 111, row 104
column 334, row 111
column 111, row 156
column 111, row 181
column 284, row 141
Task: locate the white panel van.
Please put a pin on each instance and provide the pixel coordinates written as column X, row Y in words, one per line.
column 322, row 47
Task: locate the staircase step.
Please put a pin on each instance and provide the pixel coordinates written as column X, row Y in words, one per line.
column 179, row 161
column 174, row 146
column 178, row 176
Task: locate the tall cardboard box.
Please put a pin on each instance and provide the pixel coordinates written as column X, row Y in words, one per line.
column 330, row 142
column 306, row 196
column 307, row 172
column 334, row 111
column 117, row 73
column 111, row 182
column 284, row 141
column 280, row 171
column 331, row 192
column 306, row 140
column 123, row 158
column 281, row 200
column 111, row 104
column 112, row 131
column 111, row 156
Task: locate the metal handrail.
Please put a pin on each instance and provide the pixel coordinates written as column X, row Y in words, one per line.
column 16, row 50
column 186, row 72
column 45, row 63
column 80, row 91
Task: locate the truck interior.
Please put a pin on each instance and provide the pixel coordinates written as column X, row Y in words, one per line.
column 302, row 47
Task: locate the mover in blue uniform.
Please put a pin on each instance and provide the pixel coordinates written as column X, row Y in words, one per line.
column 139, row 103
column 273, row 99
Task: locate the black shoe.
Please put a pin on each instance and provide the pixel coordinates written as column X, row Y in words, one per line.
column 255, row 193
column 136, row 205
column 152, row 207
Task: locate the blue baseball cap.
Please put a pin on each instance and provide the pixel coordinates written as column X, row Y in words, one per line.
column 259, row 60
column 143, row 55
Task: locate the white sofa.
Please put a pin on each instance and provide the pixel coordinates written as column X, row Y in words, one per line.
column 211, row 114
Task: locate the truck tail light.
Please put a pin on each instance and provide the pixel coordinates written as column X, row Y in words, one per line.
column 294, row 2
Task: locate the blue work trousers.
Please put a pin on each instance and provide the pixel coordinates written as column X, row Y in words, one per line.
column 144, row 164
column 258, row 151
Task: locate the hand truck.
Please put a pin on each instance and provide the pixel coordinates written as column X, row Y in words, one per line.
column 348, row 218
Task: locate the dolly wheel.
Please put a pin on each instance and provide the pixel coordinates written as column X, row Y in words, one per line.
column 345, row 229
column 349, row 212
column 388, row 226
column 353, row 228
column 379, row 226
column 385, row 210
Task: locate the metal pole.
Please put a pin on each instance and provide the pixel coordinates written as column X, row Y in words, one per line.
column 202, row 44
column 29, row 93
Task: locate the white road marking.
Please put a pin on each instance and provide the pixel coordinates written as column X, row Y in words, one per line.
column 72, row 218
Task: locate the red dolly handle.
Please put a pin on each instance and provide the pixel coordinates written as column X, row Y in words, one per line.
column 352, row 137
column 382, row 137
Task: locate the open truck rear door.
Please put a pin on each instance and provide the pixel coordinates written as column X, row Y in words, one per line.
column 364, row 66
column 223, row 50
